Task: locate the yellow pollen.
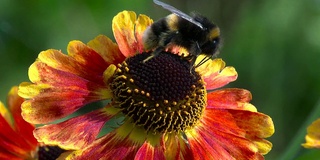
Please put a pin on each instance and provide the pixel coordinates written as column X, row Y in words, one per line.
column 129, row 91
column 157, row 105
column 166, row 101
column 136, row 90
column 119, row 70
column 169, row 108
column 119, row 65
column 152, row 110
column 161, row 112
column 183, row 106
column 131, row 80
column 148, row 94
column 144, row 105
column 142, row 92
column 127, row 69
column 174, row 103
column 193, row 86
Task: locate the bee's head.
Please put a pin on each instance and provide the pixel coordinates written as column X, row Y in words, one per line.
column 211, row 35
column 211, row 46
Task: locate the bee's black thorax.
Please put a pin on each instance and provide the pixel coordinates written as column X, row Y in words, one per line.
column 194, row 33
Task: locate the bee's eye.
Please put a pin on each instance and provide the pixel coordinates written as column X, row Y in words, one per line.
column 215, row 41
column 210, row 46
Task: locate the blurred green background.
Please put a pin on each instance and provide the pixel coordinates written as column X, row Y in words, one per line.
column 274, row 45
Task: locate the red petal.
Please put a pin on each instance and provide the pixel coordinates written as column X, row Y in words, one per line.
column 222, row 127
column 238, row 147
column 231, row 98
column 23, row 128
column 205, row 147
column 110, row 146
column 148, row 152
column 4, row 154
column 86, row 62
column 57, row 94
column 74, row 133
column 13, row 141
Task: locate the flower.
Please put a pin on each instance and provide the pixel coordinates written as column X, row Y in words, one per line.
column 313, row 135
column 16, row 137
column 168, row 113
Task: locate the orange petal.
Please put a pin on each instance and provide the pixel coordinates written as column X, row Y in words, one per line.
column 127, row 30
column 74, row 133
column 231, row 98
column 238, row 147
column 257, row 126
column 313, row 135
column 221, row 120
column 215, row 74
column 254, row 123
column 228, row 129
column 108, row 50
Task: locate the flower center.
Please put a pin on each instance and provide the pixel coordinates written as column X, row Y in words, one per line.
column 162, row 94
column 49, row 152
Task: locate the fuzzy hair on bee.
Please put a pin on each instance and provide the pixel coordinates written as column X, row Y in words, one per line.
column 195, row 33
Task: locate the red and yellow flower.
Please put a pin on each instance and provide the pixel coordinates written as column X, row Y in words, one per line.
column 168, row 113
column 16, row 135
column 313, row 135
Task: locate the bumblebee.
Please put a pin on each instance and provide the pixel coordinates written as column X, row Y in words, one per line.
column 195, row 33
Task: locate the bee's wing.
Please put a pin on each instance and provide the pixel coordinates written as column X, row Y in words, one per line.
column 178, row 13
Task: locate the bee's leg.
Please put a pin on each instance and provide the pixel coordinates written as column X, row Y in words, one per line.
column 154, row 54
column 192, row 61
column 204, row 60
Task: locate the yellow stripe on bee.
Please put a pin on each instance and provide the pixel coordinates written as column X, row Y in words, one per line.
column 172, row 21
column 214, row 33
